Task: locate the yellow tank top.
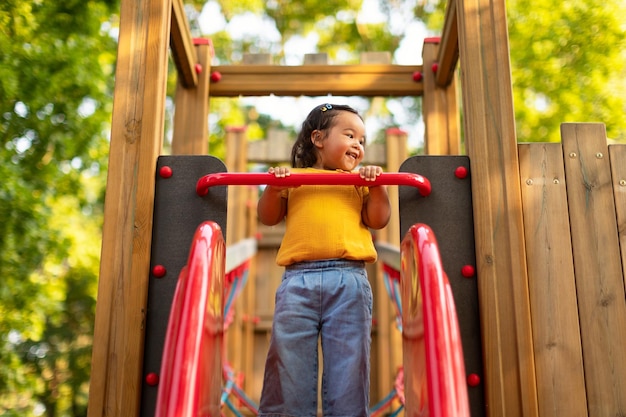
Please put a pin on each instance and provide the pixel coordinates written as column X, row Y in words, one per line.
column 324, row 222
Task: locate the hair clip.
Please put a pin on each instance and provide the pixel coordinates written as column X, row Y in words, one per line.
column 326, row 107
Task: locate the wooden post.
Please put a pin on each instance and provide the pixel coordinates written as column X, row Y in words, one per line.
column 191, row 130
column 236, row 160
column 136, row 138
column 440, row 107
column 396, row 152
column 500, row 247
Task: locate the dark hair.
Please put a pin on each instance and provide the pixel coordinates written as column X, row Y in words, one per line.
column 303, row 153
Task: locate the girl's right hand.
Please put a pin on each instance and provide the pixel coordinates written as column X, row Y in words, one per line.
column 279, row 172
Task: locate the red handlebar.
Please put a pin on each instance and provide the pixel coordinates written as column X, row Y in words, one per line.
column 296, row 179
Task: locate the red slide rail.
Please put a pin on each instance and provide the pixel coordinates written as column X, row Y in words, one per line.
column 321, row 178
column 434, row 369
column 191, row 370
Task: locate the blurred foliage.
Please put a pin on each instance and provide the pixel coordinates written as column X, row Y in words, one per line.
column 56, row 77
column 568, row 65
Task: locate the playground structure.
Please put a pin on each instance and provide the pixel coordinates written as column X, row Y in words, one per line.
column 549, row 219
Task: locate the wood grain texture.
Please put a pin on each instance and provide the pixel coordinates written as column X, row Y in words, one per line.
column 440, row 108
column 183, row 51
column 136, row 137
column 500, row 247
column 556, row 331
column 617, row 154
column 191, row 119
column 316, row 80
column 597, row 264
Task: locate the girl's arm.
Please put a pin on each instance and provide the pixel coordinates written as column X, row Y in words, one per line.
column 376, row 208
column 271, row 207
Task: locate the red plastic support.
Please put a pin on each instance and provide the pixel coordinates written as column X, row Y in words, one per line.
column 191, row 368
column 296, row 179
column 434, row 369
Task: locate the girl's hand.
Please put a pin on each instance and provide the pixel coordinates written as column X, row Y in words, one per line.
column 279, row 172
column 370, row 172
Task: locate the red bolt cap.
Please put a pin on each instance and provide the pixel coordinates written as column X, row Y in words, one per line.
column 158, row 271
column 460, row 172
column 216, row 76
column 165, row 172
column 417, row 76
column 198, row 68
column 152, row 379
column 468, row 271
column 473, row 380
column 435, row 67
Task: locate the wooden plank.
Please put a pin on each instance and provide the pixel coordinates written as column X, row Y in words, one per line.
column 191, row 118
column 440, row 108
column 316, row 80
column 597, row 263
column 617, row 154
column 136, row 135
column 182, row 46
column 448, row 55
column 500, row 248
column 556, row 330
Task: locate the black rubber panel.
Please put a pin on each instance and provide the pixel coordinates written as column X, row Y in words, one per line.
column 178, row 211
column 448, row 212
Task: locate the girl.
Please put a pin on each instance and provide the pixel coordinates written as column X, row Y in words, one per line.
column 324, row 292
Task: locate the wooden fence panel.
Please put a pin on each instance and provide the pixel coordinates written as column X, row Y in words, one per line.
column 552, row 287
column 617, row 154
column 599, row 280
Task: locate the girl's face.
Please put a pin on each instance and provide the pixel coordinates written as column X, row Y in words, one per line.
column 343, row 146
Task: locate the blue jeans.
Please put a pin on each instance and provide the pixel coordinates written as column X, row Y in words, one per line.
column 331, row 299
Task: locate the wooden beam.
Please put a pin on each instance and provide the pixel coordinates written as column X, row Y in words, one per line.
column 449, row 47
column 317, row 80
column 491, row 143
column 136, row 138
column 183, row 51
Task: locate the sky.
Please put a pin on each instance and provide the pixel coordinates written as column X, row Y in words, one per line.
column 409, row 52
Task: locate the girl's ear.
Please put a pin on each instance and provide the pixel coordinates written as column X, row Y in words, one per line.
column 316, row 138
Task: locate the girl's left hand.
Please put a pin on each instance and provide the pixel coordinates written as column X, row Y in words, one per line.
column 370, row 172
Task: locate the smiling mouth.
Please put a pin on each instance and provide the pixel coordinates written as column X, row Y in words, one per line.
column 353, row 155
